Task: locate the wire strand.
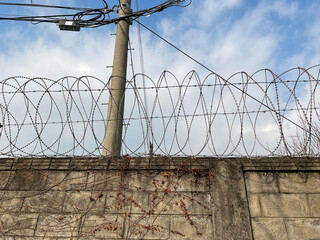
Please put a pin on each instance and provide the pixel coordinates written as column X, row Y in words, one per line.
column 205, row 67
column 43, row 6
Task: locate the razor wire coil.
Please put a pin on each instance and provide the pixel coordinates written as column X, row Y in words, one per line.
column 189, row 117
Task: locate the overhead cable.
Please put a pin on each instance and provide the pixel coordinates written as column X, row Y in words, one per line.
column 234, row 85
column 43, row 6
column 91, row 18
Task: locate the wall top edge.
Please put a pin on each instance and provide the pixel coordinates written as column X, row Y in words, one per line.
column 159, row 163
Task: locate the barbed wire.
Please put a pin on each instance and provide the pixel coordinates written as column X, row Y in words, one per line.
column 41, row 117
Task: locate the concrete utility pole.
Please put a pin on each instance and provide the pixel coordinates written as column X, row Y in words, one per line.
column 113, row 135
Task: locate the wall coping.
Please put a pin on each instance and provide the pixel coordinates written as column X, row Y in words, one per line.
column 158, row 163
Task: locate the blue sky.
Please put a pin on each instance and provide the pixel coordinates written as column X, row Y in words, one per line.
column 226, row 35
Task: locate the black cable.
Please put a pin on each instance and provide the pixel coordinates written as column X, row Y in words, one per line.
column 205, row 67
column 105, row 3
column 44, row 6
column 84, row 19
column 98, row 18
column 28, row 19
column 19, row 17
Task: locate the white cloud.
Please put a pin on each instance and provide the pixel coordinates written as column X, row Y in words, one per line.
column 55, row 54
column 208, row 11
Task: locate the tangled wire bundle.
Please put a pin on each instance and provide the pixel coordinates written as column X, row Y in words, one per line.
column 263, row 114
column 88, row 17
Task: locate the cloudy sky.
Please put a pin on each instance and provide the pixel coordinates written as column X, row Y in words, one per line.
column 227, row 36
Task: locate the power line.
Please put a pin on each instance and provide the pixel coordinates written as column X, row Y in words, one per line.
column 92, row 18
column 205, row 67
column 143, row 74
column 43, row 6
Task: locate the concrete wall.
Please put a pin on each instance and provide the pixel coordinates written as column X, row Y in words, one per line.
column 161, row 198
column 284, row 205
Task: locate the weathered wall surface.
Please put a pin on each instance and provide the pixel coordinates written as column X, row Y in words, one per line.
column 161, row 198
column 105, row 199
column 284, row 205
column 284, row 198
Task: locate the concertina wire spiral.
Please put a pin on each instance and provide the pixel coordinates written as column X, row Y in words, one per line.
column 272, row 115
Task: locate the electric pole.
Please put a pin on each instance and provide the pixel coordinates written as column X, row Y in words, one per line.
column 114, row 124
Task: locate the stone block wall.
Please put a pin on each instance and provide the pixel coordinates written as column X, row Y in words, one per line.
column 160, row 198
column 284, row 205
column 104, row 199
